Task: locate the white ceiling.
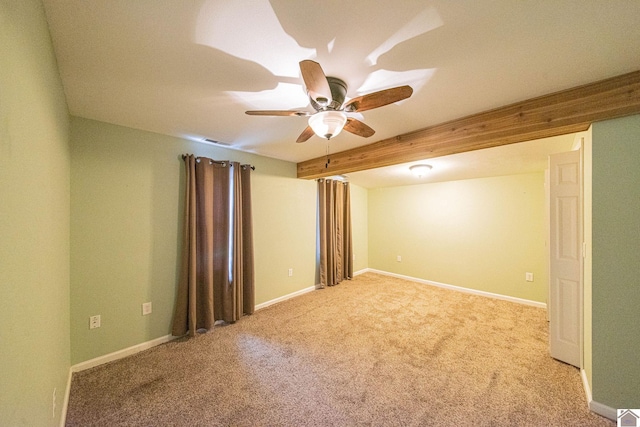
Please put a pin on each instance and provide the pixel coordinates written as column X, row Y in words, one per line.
column 191, row 68
column 526, row 157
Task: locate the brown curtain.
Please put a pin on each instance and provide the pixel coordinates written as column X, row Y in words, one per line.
column 334, row 217
column 216, row 279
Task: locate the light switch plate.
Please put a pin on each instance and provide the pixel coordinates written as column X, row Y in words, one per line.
column 146, row 308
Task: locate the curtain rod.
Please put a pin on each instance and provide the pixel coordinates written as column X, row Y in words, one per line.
column 329, row 179
column 219, row 162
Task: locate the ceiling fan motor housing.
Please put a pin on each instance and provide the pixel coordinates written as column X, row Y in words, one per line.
column 338, row 93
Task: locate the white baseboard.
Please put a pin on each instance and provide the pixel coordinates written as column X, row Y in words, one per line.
column 65, row 402
column 587, row 387
column 146, row 345
column 106, row 359
column 149, row 344
column 604, row 410
column 359, row 272
column 598, row 408
column 121, row 353
column 285, row 297
column 355, row 273
column 461, row 289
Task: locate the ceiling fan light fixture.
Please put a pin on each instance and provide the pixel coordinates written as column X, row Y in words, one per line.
column 420, row 170
column 327, row 124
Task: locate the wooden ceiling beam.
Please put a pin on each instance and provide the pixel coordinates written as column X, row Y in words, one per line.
column 560, row 113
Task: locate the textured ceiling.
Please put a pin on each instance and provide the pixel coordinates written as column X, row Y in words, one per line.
column 191, row 69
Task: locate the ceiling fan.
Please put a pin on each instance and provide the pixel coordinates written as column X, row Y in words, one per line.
column 326, row 95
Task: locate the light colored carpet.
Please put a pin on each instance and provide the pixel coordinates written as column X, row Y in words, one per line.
column 373, row 351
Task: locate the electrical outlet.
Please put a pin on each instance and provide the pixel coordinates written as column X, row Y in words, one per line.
column 528, row 277
column 399, row 258
column 94, row 322
column 290, row 272
column 146, row 308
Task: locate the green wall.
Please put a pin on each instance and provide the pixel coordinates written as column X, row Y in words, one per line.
column 616, row 262
column 34, row 221
column 126, row 198
column 482, row 234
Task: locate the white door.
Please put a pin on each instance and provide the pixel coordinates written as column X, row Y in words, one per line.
column 565, row 249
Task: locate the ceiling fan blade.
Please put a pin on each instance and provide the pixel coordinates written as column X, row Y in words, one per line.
column 316, row 82
column 305, row 135
column 356, row 127
column 378, row 99
column 278, row 113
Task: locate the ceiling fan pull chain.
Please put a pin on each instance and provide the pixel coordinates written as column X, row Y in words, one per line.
column 326, row 165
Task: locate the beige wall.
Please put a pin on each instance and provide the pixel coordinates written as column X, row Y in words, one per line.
column 126, row 197
column 34, row 221
column 284, row 210
column 616, row 262
column 360, row 228
column 483, row 234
